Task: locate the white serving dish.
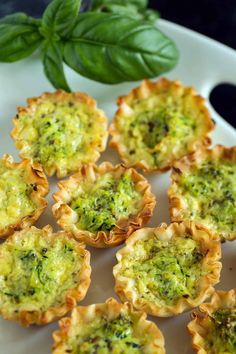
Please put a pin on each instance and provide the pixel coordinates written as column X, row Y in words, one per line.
column 203, row 64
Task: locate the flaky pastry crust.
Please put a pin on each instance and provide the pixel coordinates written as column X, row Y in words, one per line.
column 185, row 97
column 20, row 131
column 211, row 267
column 147, row 331
column 36, row 177
column 179, row 210
column 71, row 297
column 66, row 217
column 199, row 327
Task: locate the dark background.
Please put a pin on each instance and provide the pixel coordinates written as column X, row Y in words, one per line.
column 213, row 18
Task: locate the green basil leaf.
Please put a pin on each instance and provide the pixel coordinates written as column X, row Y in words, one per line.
column 59, row 17
column 151, row 15
column 53, row 65
column 130, row 10
column 20, row 18
column 19, row 37
column 100, row 4
column 111, row 49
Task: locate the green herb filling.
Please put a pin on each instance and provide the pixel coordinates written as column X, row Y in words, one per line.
column 222, row 338
column 34, row 274
column 102, row 203
column 152, row 122
column 108, row 336
column 15, row 195
column 209, row 192
column 61, row 133
column 164, row 271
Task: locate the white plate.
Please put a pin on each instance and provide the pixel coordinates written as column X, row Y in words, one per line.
column 203, row 64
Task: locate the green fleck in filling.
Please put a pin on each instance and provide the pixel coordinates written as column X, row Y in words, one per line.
column 62, row 133
column 151, row 123
column 210, row 194
column 222, row 338
column 102, row 203
column 164, row 271
column 15, row 196
column 34, row 274
column 104, row 337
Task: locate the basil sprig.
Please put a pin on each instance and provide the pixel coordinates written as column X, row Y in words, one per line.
column 104, row 46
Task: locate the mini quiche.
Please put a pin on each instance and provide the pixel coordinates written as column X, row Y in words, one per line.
column 61, row 131
column 158, row 123
column 204, row 190
column 42, row 275
column 108, row 328
column 23, row 187
column 102, row 205
column 214, row 328
column 169, row 269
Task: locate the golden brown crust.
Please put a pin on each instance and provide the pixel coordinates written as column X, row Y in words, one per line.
column 66, row 216
column 36, row 176
column 211, row 267
column 149, row 88
column 72, row 296
column 177, row 204
column 199, row 327
column 61, row 96
column 110, row 310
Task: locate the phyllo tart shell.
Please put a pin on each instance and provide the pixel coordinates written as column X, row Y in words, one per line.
column 102, row 205
column 112, row 327
column 42, row 274
column 60, row 130
column 203, row 190
column 169, row 269
column 213, row 326
column 23, row 187
column 159, row 122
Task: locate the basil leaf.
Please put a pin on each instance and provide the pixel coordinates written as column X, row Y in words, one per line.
column 53, row 65
column 151, row 15
column 138, row 4
column 19, row 37
column 59, row 17
column 133, row 9
column 20, row 18
column 111, row 49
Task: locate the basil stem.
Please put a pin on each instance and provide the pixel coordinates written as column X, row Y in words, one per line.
column 53, row 65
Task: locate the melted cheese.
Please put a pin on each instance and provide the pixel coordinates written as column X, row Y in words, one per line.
column 158, row 128
column 209, row 195
column 221, row 336
column 164, row 271
column 15, row 196
column 36, row 273
column 62, row 134
column 100, row 204
column 103, row 336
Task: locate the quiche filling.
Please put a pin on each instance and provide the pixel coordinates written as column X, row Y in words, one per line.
column 104, row 336
column 100, row 204
column 35, row 273
column 164, row 271
column 15, row 195
column 154, row 131
column 61, row 133
column 222, row 338
column 209, row 192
